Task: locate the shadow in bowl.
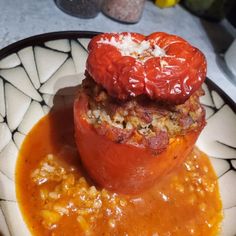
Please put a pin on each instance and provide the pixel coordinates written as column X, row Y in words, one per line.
column 62, row 127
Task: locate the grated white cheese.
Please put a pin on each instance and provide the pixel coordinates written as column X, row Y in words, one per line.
column 128, row 47
column 158, row 52
column 133, row 81
column 163, row 63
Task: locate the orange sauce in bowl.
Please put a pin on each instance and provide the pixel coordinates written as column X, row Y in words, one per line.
column 57, row 198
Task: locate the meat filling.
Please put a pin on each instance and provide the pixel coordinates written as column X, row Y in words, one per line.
column 141, row 121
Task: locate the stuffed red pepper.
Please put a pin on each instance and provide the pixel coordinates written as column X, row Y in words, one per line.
column 137, row 113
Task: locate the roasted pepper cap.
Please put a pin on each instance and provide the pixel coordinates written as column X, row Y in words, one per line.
column 162, row 66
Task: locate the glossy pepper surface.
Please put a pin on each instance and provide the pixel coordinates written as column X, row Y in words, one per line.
column 120, row 167
column 162, row 66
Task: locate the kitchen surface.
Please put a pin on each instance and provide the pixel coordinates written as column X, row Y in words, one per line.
column 21, row 19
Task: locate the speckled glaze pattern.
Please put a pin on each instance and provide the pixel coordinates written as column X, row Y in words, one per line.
column 32, row 71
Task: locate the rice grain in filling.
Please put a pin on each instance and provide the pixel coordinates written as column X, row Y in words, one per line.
column 141, row 121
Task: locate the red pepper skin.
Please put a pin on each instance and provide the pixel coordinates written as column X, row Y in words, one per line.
column 120, row 167
column 171, row 78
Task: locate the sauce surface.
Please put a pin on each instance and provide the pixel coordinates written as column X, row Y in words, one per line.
column 57, row 198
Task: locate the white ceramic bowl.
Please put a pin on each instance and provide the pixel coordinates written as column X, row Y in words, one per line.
column 34, row 69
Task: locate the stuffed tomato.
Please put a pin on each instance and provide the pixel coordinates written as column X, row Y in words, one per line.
column 126, row 146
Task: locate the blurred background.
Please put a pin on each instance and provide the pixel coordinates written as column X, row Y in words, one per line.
column 207, row 24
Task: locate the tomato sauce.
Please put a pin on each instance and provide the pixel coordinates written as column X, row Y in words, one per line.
column 186, row 202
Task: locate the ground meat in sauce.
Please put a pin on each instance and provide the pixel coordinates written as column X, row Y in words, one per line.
column 141, row 121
